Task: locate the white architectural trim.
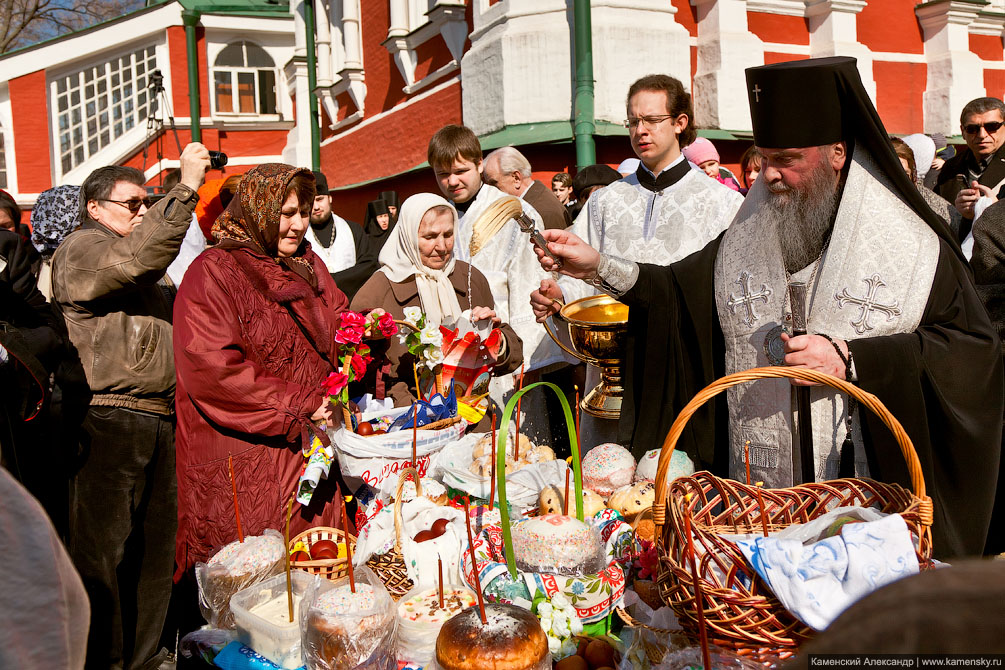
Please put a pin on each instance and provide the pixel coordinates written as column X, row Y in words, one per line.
column 445, row 19
column 988, row 23
column 7, row 129
column 340, row 51
column 394, row 110
column 955, row 74
column 92, row 44
column 795, row 49
column 432, row 77
column 783, row 7
column 726, row 47
column 897, row 57
column 834, row 32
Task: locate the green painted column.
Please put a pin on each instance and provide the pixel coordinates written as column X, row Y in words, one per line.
column 586, row 149
column 312, row 83
column 191, row 20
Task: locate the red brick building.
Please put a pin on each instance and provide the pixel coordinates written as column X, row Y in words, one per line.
column 389, row 73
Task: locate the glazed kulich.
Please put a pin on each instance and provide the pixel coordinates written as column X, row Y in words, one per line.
column 511, row 640
column 238, row 566
column 344, row 628
column 557, row 544
column 608, row 467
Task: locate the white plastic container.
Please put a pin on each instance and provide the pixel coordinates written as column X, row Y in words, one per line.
column 274, row 637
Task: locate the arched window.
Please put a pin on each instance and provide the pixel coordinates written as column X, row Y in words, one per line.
column 244, row 80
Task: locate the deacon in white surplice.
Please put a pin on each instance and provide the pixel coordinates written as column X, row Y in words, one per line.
column 663, row 212
column 890, row 307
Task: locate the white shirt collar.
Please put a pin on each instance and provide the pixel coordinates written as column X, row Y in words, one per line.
column 678, row 160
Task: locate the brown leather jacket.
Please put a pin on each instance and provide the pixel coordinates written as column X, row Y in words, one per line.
column 117, row 301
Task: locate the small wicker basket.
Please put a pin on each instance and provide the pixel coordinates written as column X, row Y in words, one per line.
column 741, row 613
column 331, row 569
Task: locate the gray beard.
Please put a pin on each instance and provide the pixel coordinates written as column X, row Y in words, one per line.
column 805, row 217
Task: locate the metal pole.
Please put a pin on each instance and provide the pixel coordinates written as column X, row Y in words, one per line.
column 586, row 150
column 312, row 83
column 191, row 20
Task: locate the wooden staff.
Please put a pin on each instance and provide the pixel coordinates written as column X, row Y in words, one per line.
column 233, row 486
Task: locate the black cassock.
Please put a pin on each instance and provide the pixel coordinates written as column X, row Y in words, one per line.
column 944, row 382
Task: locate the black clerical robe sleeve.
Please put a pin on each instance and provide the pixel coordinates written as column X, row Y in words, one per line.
column 352, row 279
column 944, row 383
column 674, row 349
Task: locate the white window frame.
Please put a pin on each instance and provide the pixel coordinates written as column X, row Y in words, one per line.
column 233, row 69
column 132, row 111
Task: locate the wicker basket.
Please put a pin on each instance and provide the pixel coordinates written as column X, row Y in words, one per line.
column 390, row 567
column 743, row 614
column 331, row 569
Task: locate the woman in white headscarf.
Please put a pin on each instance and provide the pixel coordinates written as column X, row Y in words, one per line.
column 418, row 269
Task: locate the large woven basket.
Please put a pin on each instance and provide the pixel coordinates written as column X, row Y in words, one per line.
column 741, row 613
column 390, row 567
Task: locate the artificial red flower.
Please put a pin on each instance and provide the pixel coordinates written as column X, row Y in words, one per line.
column 350, row 334
column 352, row 320
column 387, row 325
column 358, row 364
column 334, row 384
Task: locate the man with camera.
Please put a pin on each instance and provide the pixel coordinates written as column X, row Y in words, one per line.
column 109, row 280
column 980, row 170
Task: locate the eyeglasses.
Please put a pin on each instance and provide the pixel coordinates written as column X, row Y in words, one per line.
column 649, row 122
column 991, row 127
column 133, row 204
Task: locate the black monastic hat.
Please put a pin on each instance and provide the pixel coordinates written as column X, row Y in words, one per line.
column 808, row 103
column 320, row 182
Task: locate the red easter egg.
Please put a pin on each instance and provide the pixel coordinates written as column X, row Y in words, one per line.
column 323, row 550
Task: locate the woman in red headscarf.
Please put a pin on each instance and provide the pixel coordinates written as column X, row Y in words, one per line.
column 254, row 338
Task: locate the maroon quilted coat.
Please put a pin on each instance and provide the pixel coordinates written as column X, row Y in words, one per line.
column 248, row 381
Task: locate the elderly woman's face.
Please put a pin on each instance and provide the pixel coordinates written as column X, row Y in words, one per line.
column 292, row 225
column 436, row 239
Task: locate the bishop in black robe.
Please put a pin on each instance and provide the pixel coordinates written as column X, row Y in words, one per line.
column 943, row 380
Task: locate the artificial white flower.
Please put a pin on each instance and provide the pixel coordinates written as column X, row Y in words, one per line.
column 559, row 601
column 433, row 356
column 402, row 337
column 575, row 626
column 569, row 612
column 561, row 628
column 554, row 644
column 546, row 623
column 543, row 609
column 431, row 335
column 413, row 314
column 569, row 647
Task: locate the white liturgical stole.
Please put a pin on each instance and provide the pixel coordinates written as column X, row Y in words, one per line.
column 873, row 279
column 341, row 255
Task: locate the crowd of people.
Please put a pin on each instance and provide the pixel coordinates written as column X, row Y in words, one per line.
column 156, row 354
